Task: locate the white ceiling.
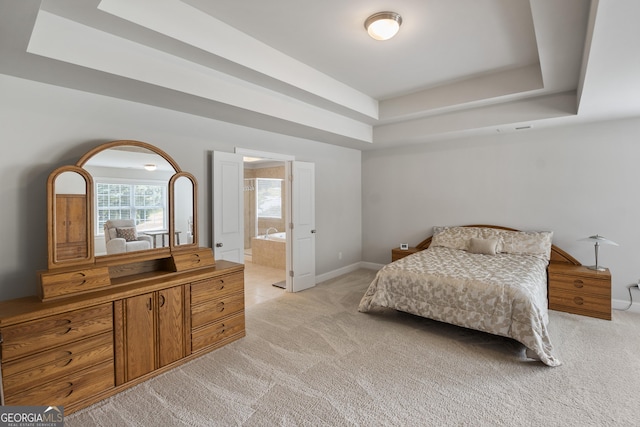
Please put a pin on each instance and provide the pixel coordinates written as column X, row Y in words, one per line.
column 308, row 69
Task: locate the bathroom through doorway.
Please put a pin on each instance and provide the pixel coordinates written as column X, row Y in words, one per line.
column 265, row 203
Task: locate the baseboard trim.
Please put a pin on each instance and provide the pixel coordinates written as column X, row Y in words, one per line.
column 336, row 273
column 348, row 269
column 618, row 304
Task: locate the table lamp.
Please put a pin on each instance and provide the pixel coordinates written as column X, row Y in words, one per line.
column 599, row 240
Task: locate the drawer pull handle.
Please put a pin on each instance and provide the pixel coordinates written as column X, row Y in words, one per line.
column 64, row 363
column 162, row 300
column 196, row 258
column 578, row 301
column 67, row 386
column 578, row 283
column 65, row 332
column 80, row 279
column 220, row 307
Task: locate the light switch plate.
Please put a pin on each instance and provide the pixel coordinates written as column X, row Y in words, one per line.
column 404, row 246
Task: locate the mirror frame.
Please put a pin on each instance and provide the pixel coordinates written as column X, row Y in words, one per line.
column 51, row 210
column 153, row 253
column 172, row 208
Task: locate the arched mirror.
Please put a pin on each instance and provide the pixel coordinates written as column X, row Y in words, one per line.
column 183, row 209
column 69, row 207
column 129, row 205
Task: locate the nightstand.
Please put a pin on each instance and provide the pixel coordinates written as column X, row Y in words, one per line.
column 580, row 290
column 397, row 253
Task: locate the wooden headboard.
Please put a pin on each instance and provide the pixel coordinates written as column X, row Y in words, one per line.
column 557, row 254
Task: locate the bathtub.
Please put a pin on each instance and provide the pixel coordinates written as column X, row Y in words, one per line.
column 270, row 252
column 276, row 237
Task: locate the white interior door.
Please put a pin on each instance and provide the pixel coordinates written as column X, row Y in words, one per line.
column 303, row 233
column 228, row 206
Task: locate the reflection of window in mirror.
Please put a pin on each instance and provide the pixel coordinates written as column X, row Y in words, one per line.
column 269, row 198
column 146, row 203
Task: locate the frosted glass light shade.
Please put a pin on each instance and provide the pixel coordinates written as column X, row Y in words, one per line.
column 383, row 25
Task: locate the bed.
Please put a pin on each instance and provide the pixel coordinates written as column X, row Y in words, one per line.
column 488, row 278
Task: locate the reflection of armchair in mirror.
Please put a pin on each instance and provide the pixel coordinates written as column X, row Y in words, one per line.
column 120, row 180
column 121, row 236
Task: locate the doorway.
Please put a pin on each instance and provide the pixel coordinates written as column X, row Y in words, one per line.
column 228, row 213
column 265, row 242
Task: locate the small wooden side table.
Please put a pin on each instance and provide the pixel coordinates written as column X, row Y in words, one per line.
column 397, row 253
column 580, row 290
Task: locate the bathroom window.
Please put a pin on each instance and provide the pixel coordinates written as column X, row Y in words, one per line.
column 269, row 198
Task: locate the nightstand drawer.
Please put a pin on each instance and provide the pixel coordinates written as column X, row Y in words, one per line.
column 579, row 303
column 585, row 285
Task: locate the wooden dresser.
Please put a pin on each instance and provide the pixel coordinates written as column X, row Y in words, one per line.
column 109, row 317
column 77, row 350
column 580, row 290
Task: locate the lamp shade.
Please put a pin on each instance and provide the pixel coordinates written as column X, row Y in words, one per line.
column 599, row 240
column 383, row 25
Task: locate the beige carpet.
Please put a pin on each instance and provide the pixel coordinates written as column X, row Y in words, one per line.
column 311, row 359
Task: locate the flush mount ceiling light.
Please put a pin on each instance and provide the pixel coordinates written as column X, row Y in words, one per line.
column 383, row 25
column 150, row 167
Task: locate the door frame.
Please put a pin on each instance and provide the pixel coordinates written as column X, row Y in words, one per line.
column 287, row 160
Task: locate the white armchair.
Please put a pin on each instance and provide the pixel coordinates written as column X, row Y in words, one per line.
column 120, row 236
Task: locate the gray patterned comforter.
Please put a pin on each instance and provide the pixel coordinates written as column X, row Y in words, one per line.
column 502, row 294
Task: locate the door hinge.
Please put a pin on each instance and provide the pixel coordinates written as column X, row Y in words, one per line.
column 290, row 273
column 290, row 178
column 290, row 226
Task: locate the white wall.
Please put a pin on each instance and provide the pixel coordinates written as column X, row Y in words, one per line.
column 576, row 181
column 43, row 127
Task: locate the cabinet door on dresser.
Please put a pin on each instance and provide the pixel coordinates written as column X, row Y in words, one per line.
column 217, row 311
column 139, row 332
column 64, row 359
column 150, row 332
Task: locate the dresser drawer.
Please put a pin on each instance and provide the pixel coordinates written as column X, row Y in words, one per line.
column 586, row 285
column 190, row 260
column 69, row 390
column 217, row 287
column 215, row 332
column 27, row 372
column 30, row 337
column 55, row 285
column 213, row 310
column 578, row 303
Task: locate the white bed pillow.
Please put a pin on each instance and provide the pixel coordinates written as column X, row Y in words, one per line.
column 535, row 243
column 483, row 246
